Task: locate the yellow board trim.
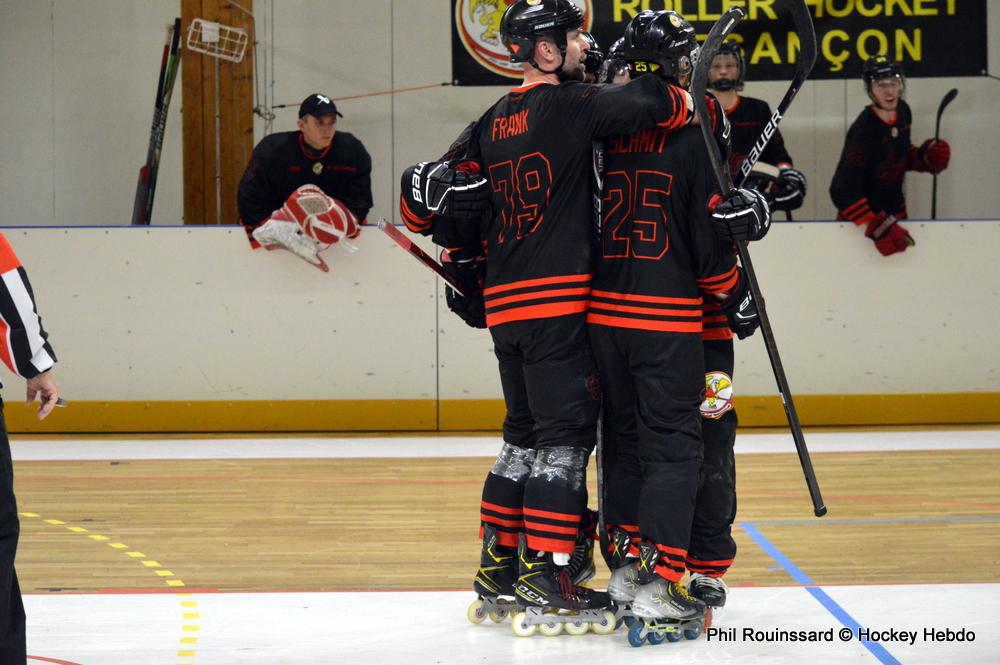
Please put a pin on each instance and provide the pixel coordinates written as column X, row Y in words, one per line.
column 469, row 414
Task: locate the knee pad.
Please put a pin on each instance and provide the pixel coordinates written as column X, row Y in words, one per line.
column 562, row 465
column 718, row 395
column 514, row 463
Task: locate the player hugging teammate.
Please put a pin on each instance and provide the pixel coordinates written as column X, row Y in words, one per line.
column 512, row 201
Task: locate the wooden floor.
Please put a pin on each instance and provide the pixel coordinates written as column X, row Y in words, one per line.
column 380, row 524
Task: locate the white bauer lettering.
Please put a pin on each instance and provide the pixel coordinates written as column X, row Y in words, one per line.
column 758, row 148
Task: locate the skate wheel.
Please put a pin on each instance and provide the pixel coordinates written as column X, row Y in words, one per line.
column 498, row 615
column 476, row 614
column 655, row 637
column 673, row 636
column 709, row 615
column 637, row 634
column 519, row 624
column 576, row 627
column 606, row 625
column 692, row 633
column 550, row 629
column 630, row 621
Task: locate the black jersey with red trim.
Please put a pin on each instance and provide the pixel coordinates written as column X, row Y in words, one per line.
column 869, row 175
column 535, row 148
column 659, row 253
column 748, row 117
column 282, row 162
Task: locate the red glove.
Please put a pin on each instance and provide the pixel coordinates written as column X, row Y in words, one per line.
column 932, row 156
column 889, row 236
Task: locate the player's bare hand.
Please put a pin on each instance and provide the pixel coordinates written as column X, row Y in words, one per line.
column 43, row 385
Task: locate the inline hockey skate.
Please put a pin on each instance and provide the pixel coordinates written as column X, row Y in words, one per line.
column 664, row 610
column 498, row 568
column 494, row 582
column 552, row 602
column 710, row 590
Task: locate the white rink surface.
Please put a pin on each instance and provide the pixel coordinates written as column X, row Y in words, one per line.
column 457, row 446
column 417, row 627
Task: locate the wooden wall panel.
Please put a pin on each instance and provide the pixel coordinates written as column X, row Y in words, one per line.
column 232, row 141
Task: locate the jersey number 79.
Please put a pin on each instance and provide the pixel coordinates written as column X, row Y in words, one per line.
column 525, row 189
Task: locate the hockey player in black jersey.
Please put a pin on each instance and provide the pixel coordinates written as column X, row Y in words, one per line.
column 534, row 149
column 317, row 154
column 774, row 175
column 712, row 549
column 867, row 186
column 660, row 260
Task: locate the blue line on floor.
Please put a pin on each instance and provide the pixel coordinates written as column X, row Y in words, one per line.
column 900, row 520
column 826, row 601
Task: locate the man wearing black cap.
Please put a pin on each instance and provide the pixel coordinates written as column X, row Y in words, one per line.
column 317, row 154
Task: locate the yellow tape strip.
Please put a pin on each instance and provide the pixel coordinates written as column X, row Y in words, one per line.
column 471, row 414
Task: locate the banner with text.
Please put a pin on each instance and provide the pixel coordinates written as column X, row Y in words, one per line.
column 929, row 37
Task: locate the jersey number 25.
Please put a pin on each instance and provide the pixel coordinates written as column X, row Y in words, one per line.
column 634, row 219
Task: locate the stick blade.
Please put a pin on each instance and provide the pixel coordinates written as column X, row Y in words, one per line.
column 947, row 99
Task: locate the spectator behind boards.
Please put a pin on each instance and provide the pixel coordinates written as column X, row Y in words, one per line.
column 773, row 175
column 867, row 187
column 308, row 189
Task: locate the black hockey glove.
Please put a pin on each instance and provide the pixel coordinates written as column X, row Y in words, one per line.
column 721, row 128
column 790, row 190
column 742, row 215
column 741, row 309
column 447, row 188
column 469, row 275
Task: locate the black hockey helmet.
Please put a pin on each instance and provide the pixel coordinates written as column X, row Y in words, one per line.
column 880, row 67
column 527, row 20
column 614, row 64
column 616, row 49
column 660, row 42
column 732, row 48
column 595, row 56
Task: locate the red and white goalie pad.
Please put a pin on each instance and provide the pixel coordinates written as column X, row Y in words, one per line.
column 322, row 218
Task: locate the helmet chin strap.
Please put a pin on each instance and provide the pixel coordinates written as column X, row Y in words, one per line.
column 722, row 85
column 557, row 71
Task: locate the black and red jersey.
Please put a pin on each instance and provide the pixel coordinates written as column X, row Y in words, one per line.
column 869, row 175
column 282, row 162
column 748, row 117
column 659, row 253
column 535, row 148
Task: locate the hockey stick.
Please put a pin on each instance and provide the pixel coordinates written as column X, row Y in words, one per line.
column 937, row 131
column 142, row 207
column 393, row 91
column 699, row 85
column 400, row 239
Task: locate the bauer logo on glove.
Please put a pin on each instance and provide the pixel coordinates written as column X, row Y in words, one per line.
column 444, row 188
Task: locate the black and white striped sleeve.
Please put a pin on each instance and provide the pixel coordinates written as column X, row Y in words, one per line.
column 24, row 345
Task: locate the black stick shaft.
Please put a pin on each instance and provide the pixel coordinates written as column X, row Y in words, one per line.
column 807, row 57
